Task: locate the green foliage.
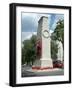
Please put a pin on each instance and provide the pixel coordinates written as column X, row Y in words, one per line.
column 58, row 33
column 29, row 50
column 54, row 50
column 29, row 46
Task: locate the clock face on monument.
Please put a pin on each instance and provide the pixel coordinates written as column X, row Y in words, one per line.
column 45, row 34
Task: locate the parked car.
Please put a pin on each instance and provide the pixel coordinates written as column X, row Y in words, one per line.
column 58, row 64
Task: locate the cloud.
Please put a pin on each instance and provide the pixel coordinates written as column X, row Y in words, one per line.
column 27, row 35
column 30, row 21
column 54, row 19
column 29, row 24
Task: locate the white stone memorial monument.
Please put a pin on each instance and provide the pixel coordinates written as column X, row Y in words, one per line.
column 43, row 35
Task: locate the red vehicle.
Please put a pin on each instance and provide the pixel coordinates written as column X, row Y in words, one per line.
column 58, row 64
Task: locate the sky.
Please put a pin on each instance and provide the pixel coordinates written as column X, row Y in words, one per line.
column 29, row 23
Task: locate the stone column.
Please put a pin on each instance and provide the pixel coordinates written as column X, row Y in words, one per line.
column 45, row 61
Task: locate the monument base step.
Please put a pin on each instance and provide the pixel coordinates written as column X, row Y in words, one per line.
column 43, row 64
column 41, row 68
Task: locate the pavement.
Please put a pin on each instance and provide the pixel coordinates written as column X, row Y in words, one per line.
column 28, row 72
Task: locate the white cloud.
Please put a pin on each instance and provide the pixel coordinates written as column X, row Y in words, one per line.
column 35, row 16
column 56, row 19
column 27, row 35
column 51, row 31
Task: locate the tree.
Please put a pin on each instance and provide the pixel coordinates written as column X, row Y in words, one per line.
column 29, row 50
column 54, row 50
column 58, row 33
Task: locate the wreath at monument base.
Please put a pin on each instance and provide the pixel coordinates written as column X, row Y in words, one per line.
column 41, row 68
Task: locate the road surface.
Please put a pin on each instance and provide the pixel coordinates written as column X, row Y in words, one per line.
column 28, row 72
